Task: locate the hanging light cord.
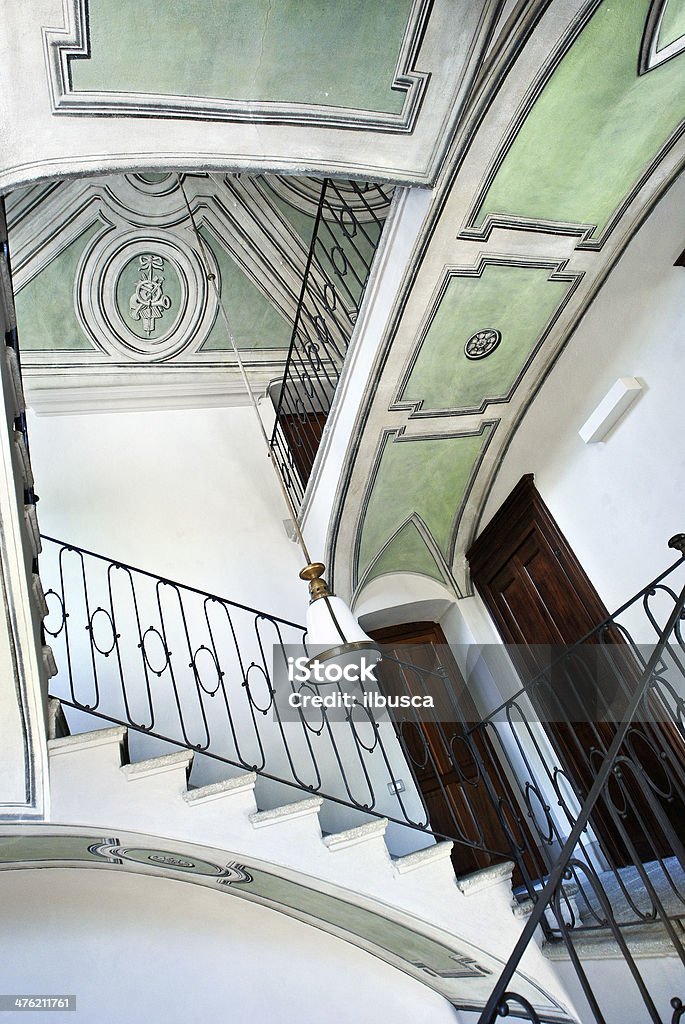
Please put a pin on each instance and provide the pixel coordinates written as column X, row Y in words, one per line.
column 211, row 277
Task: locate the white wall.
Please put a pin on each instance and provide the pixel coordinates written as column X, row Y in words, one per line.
column 186, row 494
column 617, row 501
column 147, row 950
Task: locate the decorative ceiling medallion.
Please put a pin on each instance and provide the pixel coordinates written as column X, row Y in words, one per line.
column 144, row 295
column 656, row 50
column 483, row 343
column 148, row 303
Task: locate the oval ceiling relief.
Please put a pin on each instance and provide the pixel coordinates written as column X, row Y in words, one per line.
column 144, row 295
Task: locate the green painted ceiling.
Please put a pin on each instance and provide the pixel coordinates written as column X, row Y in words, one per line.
column 517, row 301
column 673, row 22
column 419, row 476
column 45, row 307
column 578, row 155
column 595, row 126
column 46, row 297
column 338, row 54
column 255, row 322
column 406, row 552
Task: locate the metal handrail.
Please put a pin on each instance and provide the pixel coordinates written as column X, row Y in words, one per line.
column 135, row 648
column 112, row 627
column 347, row 229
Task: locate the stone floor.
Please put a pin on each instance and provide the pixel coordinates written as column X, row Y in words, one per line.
column 628, row 895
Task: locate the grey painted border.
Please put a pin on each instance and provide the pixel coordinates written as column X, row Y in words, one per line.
column 649, row 54
column 61, row 46
column 453, row 156
column 398, row 436
column 552, row 1013
column 556, row 267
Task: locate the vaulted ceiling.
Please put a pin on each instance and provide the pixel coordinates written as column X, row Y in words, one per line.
column 571, row 151
column 112, row 293
column 547, row 129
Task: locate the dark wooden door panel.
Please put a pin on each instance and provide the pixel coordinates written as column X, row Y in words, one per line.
column 445, row 766
column 538, row 594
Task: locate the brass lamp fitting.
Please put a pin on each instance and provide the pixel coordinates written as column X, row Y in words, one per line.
column 313, row 574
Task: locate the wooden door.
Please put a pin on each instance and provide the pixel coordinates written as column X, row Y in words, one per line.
column 538, row 593
column 303, row 435
column 445, row 765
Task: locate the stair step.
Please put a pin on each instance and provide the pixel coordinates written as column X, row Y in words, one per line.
column 286, row 812
column 354, row 836
column 421, row 858
column 476, row 881
column 157, row 765
column 216, row 790
column 647, row 940
column 84, row 740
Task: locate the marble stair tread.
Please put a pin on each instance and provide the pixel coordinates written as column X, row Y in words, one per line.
column 217, row 790
column 476, row 881
column 58, row 727
column 354, row 836
column 84, row 740
column 286, row 812
column 157, row 765
column 423, row 858
column 629, row 896
column 647, row 940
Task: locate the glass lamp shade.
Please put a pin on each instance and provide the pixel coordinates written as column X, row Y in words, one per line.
column 324, row 630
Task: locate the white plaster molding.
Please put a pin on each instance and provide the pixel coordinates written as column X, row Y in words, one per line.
column 62, row 394
column 98, row 309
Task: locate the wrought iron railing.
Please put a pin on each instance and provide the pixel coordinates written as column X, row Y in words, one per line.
column 604, row 788
column 593, row 828
column 347, row 229
column 200, row 671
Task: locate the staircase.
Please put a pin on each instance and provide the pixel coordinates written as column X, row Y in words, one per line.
column 468, row 924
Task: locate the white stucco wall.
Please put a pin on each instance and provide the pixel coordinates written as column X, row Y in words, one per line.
column 185, row 494
column 150, row 950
